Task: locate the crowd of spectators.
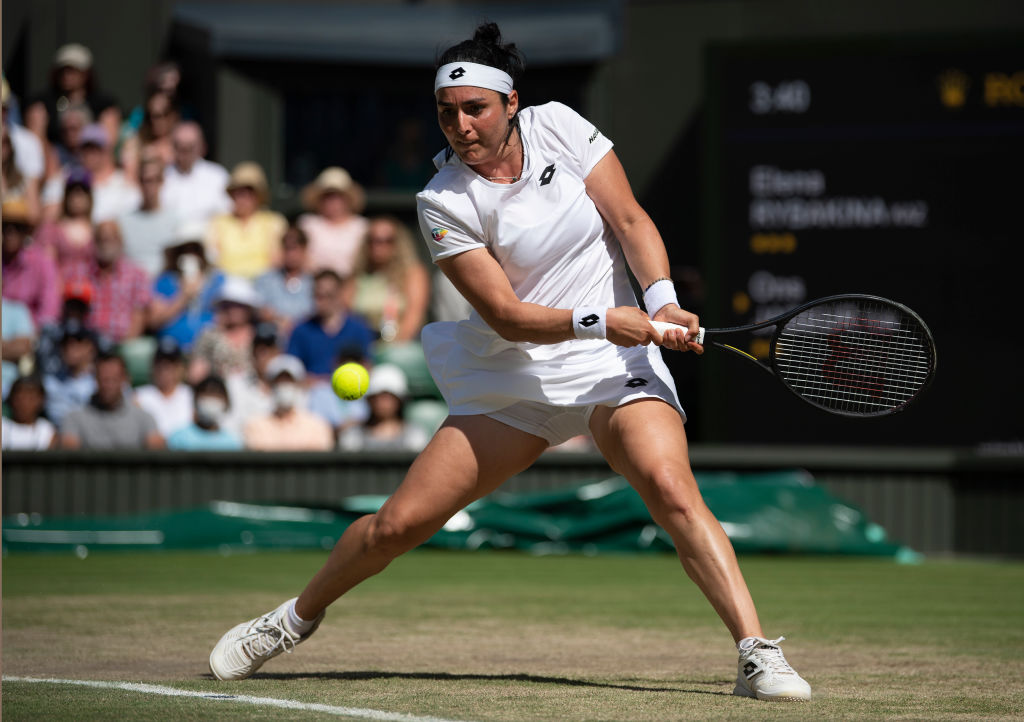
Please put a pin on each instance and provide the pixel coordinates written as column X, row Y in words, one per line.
column 152, row 298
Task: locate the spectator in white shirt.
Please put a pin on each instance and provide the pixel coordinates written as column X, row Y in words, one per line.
column 26, row 428
column 113, row 193
column 167, row 399
column 29, row 156
column 195, row 189
column 149, row 229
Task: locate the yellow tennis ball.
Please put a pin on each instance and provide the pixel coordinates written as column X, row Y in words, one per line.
column 350, row 381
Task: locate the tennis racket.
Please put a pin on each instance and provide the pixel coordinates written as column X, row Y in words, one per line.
column 851, row 354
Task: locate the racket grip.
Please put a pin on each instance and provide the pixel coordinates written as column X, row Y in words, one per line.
column 662, row 327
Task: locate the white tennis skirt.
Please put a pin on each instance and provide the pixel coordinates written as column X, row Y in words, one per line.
column 478, row 372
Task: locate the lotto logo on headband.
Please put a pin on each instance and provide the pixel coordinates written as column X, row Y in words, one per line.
column 438, row 233
column 475, row 74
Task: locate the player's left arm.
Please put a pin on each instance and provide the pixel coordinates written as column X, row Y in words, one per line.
column 641, row 242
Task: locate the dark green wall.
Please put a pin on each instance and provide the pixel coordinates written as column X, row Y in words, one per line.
column 645, row 98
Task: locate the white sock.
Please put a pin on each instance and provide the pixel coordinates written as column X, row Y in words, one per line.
column 746, row 643
column 296, row 624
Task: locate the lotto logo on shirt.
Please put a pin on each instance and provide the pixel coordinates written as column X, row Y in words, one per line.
column 438, row 233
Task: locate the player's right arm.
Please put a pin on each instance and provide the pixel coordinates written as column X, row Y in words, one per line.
column 481, row 280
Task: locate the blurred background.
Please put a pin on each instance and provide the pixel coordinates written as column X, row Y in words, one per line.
column 786, row 149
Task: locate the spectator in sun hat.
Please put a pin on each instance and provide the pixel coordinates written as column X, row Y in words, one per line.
column 186, row 292
column 247, row 241
column 289, row 427
column 149, row 229
column 332, row 222
column 167, row 397
column 121, row 290
column 224, row 348
column 29, row 273
column 195, row 189
column 72, row 82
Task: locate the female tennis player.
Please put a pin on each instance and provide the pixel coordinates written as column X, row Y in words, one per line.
column 531, row 217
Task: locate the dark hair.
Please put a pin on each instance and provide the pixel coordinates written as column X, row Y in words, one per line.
column 300, row 235
column 211, row 384
column 77, row 179
column 111, row 357
column 486, row 48
column 173, row 253
column 32, row 381
column 328, row 274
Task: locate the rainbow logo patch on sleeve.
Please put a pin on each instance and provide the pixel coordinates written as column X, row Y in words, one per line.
column 438, row 233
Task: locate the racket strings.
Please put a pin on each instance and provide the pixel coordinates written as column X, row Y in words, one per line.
column 855, row 360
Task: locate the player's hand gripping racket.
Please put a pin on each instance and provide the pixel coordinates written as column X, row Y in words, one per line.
column 852, row 354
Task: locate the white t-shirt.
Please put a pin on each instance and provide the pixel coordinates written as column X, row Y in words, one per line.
column 115, row 197
column 111, row 199
column 170, row 412
column 28, row 437
column 197, row 196
column 29, row 155
column 146, row 234
column 554, row 246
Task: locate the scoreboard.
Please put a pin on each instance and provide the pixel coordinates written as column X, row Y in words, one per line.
column 889, row 166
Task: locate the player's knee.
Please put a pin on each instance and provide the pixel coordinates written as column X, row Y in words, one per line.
column 674, row 498
column 390, row 536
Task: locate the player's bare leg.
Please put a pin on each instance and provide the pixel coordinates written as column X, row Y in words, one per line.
column 468, row 458
column 645, row 441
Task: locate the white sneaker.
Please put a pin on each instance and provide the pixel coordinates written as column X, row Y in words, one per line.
column 245, row 647
column 765, row 674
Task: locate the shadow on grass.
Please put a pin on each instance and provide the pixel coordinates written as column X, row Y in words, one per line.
column 355, row 676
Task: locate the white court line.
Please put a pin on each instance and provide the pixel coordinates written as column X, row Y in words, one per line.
column 370, row 714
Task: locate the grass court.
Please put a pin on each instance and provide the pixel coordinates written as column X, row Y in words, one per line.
column 507, row 636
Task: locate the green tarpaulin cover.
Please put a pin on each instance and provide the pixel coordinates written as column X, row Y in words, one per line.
column 780, row 512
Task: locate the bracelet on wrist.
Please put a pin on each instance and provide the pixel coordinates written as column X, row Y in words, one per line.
column 656, row 280
column 658, row 295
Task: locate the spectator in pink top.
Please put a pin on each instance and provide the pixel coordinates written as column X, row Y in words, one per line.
column 29, row 274
column 334, row 227
column 121, row 290
column 69, row 238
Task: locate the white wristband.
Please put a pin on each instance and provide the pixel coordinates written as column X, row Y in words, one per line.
column 589, row 322
column 658, row 295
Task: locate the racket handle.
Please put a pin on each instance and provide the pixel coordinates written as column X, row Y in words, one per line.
column 662, row 327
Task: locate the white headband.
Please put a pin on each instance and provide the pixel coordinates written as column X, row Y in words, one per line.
column 475, row 74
